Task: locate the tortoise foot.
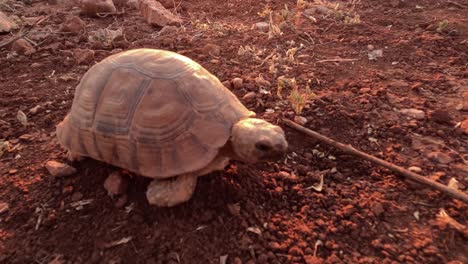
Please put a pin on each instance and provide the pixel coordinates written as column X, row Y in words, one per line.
column 74, row 157
column 171, row 192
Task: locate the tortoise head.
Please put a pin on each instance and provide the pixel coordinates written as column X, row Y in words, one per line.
column 255, row 140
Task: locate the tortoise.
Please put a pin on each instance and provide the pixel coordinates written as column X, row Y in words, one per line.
column 161, row 115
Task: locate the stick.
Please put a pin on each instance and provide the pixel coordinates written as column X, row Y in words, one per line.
column 336, row 60
column 457, row 4
column 22, row 33
column 404, row 172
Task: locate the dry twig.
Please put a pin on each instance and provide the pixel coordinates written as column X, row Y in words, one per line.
column 404, row 172
column 457, row 4
column 23, row 32
column 336, row 60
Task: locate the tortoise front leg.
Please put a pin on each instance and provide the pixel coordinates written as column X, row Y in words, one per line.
column 170, row 192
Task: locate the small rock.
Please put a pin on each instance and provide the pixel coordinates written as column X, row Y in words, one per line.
column 262, row 26
column 234, row 209
column 395, row 3
column 377, row 209
column 12, row 171
column 441, row 117
column 6, row 25
column 413, row 113
column 262, row 258
column 211, row 49
column 121, row 201
column 76, row 196
column 157, row 15
column 36, row 65
column 167, row 30
column 237, row 83
column 58, row 169
column 310, row 259
column 249, row 96
column 415, row 169
column 348, row 210
column 364, row 90
column 370, row 47
column 92, row 7
column 4, row 207
column 373, row 55
column 237, row 260
column 120, row 2
column 133, row 4
column 115, row 184
column 74, row 25
column 83, row 56
column 465, row 102
column 399, row 84
column 464, row 126
column 317, row 10
column 296, row 251
column 440, row 157
column 300, row 120
column 23, row 46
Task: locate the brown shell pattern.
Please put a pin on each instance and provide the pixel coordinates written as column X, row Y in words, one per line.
column 153, row 112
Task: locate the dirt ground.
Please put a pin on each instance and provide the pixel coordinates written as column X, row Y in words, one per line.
column 264, row 213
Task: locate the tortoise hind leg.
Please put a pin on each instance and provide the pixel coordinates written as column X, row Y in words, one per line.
column 170, row 192
column 73, row 156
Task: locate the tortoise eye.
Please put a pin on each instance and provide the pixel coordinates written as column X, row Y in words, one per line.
column 263, row 146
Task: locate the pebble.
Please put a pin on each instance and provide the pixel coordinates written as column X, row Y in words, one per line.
column 6, row 25
column 413, row 113
column 23, row 46
column 83, row 56
column 115, row 184
column 167, row 30
column 310, row 259
column 234, row 209
column 249, row 96
column 156, row 14
column 237, row 260
column 4, row 207
column 440, row 157
column 212, row 49
column 415, row 169
column 74, row 25
column 399, row 84
column 58, row 169
column 121, row 201
column 237, row 83
column 295, row 251
column 262, row 26
column 300, row 120
column 76, row 196
column 364, row 90
column 262, row 258
column 92, row 7
column 441, row 117
column 377, row 209
column 370, row 47
column 464, row 126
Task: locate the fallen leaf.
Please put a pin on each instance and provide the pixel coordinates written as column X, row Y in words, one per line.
column 454, row 184
column 318, row 187
column 255, row 230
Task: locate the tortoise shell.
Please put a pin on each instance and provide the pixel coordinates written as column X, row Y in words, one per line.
column 156, row 113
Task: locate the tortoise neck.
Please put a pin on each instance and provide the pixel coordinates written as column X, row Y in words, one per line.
column 228, row 151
